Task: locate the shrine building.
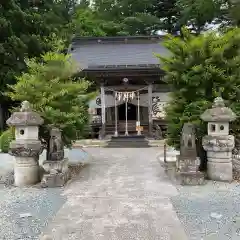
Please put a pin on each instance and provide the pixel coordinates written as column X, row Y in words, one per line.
column 129, row 78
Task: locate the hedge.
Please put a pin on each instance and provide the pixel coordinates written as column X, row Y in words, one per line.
column 5, row 139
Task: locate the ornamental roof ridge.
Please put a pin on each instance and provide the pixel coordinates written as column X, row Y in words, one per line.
column 123, row 39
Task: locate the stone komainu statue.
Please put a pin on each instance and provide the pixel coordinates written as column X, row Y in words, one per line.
column 188, row 163
column 188, row 138
column 56, row 148
column 188, row 153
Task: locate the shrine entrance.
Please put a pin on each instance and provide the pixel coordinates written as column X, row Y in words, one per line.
column 131, row 112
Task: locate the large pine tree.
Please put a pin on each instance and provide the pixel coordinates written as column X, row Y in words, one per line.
column 200, row 69
column 27, row 30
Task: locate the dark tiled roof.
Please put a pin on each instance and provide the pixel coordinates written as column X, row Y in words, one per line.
column 95, row 53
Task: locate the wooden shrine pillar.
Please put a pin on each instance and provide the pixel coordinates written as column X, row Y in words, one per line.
column 150, row 121
column 116, row 115
column 103, row 112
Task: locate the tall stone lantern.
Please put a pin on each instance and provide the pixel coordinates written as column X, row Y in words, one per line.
column 218, row 143
column 26, row 147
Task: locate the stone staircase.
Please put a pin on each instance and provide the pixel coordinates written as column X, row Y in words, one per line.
column 92, row 143
column 132, row 141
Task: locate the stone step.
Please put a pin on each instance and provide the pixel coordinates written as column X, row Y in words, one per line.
column 131, row 141
column 156, row 143
column 127, row 146
column 89, row 143
column 128, row 142
column 121, row 140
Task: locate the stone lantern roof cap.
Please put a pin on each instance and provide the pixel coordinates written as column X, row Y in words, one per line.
column 26, row 117
column 219, row 112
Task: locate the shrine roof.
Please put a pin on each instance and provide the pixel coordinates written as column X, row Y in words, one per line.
column 102, row 53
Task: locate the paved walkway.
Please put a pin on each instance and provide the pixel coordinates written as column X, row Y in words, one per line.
column 122, row 195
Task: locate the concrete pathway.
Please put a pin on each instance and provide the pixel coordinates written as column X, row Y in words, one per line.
column 122, row 194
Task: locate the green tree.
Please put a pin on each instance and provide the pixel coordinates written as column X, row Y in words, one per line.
column 59, row 97
column 84, row 4
column 5, row 139
column 56, row 16
column 198, row 13
column 146, row 17
column 232, row 12
column 141, row 24
column 12, row 47
column 87, row 22
column 199, row 69
column 27, row 30
column 132, row 17
column 168, row 13
column 135, row 17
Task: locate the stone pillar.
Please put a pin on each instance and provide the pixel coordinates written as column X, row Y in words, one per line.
column 27, row 147
column 103, row 111
column 150, row 121
column 218, row 143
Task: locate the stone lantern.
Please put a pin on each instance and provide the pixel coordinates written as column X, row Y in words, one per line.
column 26, row 147
column 218, row 143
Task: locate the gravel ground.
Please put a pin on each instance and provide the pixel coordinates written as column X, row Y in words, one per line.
column 25, row 212
column 209, row 212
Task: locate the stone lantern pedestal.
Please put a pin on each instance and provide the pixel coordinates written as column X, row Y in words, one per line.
column 218, row 143
column 26, row 147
